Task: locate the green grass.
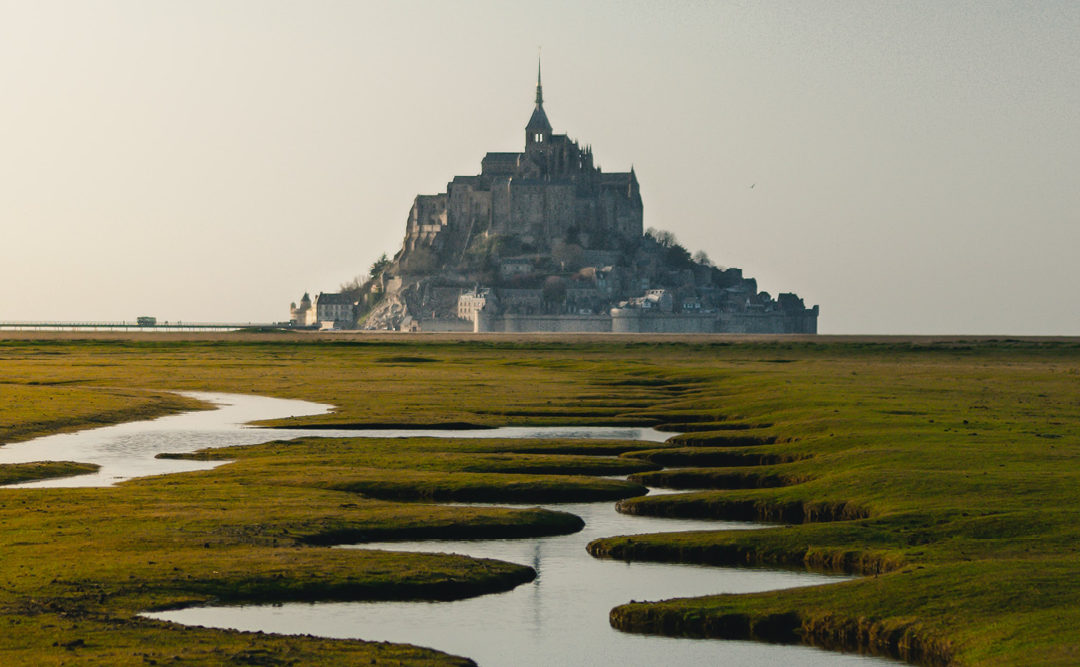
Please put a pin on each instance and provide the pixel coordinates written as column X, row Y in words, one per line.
column 32, row 408
column 951, row 476
column 948, row 472
column 755, row 477
column 435, row 469
column 17, row 473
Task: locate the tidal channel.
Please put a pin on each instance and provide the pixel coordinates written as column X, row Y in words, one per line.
column 558, row 619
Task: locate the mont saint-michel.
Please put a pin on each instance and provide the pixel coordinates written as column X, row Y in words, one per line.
column 544, row 240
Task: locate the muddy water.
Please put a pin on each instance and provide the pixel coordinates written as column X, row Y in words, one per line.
column 559, row 619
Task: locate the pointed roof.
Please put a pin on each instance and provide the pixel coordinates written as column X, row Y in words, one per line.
column 538, row 122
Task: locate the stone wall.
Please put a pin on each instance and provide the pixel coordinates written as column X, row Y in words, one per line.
column 774, row 322
column 444, row 324
column 484, row 323
column 427, row 218
column 634, row 320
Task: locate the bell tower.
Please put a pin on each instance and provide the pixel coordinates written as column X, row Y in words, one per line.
column 538, row 131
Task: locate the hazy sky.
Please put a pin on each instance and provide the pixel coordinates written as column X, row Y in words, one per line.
column 915, row 165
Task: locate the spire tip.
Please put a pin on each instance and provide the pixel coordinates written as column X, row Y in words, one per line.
column 539, row 87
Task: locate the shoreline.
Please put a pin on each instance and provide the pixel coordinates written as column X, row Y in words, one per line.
column 288, row 335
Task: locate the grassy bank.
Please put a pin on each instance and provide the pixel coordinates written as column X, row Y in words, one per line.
column 31, row 408
column 951, row 475
column 949, row 469
column 17, row 473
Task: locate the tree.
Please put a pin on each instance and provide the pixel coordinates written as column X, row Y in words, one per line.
column 678, row 257
column 354, row 288
column 701, row 258
column 554, row 291
column 379, row 266
column 665, row 238
column 570, row 256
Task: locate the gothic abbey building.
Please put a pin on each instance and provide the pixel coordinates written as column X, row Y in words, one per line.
column 550, row 191
column 544, row 240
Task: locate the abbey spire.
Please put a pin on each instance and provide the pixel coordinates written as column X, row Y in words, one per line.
column 538, row 131
column 539, row 88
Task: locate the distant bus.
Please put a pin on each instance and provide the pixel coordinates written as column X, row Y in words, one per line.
column 145, row 321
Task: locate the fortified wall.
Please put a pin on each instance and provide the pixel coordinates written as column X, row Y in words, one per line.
column 632, row 321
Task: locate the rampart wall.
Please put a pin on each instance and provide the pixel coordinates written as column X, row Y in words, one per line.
column 781, row 323
column 511, row 323
column 444, row 324
column 633, row 320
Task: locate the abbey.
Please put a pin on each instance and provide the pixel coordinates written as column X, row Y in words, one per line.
column 550, row 191
column 544, row 240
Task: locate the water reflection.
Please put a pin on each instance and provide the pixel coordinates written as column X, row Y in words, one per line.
column 558, row 619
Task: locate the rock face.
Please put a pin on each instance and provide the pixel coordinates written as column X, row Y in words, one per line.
column 544, row 240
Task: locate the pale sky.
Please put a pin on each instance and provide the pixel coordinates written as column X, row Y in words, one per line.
column 915, row 165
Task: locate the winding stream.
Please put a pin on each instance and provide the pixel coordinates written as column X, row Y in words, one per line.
column 559, row 619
